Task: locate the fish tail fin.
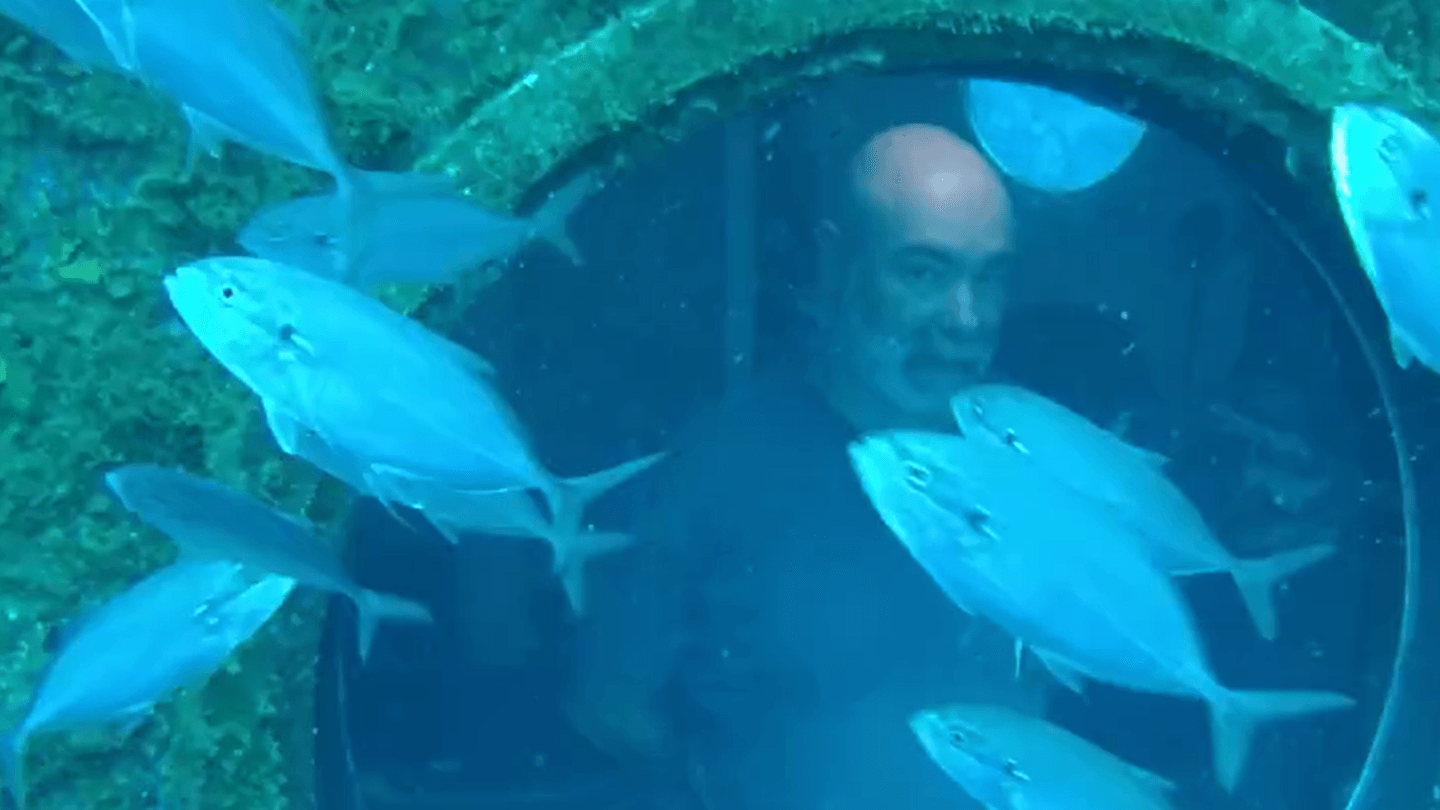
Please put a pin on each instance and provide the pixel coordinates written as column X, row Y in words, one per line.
column 1256, row 580
column 353, row 190
column 552, row 217
column 571, row 554
column 569, row 497
column 573, row 545
column 1234, row 717
column 375, row 607
column 12, row 764
column 1404, row 355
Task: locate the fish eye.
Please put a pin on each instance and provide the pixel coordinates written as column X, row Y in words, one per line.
column 916, row 476
column 1011, row 440
column 286, row 332
column 977, row 517
column 227, row 291
column 1419, row 202
column 1011, row 768
column 979, row 520
column 323, row 239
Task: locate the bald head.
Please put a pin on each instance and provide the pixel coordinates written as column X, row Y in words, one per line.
column 923, row 177
column 921, row 293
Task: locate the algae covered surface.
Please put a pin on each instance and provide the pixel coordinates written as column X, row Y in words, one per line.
column 96, row 204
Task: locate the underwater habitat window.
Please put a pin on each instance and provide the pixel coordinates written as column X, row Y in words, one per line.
column 1157, row 289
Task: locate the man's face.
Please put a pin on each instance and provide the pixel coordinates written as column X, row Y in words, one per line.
column 923, row 309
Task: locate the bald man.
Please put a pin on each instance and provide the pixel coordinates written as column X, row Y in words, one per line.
column 763, row 644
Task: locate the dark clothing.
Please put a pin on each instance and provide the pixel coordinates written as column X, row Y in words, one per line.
column 792, row 634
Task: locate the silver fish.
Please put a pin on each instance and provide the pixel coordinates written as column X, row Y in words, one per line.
column 209, row 521
column 406, row 413
column 67, row 25
column 238, row 69
column 509, row 512
column 426, row 234
column 1011, row 761
column 1386, row 170
column 1056, row 571
column 1102, row 467
column 170, row 630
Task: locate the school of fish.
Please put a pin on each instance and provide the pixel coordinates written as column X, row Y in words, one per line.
column 366, row 395
column 403, row 415
column 1034, row 518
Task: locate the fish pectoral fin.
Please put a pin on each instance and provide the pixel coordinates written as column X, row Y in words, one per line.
column 130, row 720
column 388, row 484
column 1063, row 670
column 283, row 427
column 1401, row 347
column 1015, row 797
column 382, row 483
column 206, row 137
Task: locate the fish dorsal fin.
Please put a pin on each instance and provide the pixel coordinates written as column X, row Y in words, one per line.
column 1154, row 459
column 1153, row 782
column 283, row 427
column 467, row 359
column 1403, row 356
column 207, row 137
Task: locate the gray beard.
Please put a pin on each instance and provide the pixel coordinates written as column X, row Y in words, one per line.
column 877, row 360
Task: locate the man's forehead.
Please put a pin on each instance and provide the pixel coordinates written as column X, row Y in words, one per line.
column 921, row 176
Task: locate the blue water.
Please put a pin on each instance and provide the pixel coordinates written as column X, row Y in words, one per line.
column 1162, row 301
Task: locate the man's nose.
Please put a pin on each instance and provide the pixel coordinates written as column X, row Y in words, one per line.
column 961, row 312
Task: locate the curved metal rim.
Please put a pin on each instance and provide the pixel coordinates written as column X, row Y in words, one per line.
column 1404, row 754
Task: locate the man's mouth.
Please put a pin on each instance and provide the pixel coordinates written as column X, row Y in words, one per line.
column 946, row 368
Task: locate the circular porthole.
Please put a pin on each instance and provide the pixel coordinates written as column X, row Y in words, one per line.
column 1197, row 300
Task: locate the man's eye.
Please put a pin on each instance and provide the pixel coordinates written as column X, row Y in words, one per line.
column 919, row 271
